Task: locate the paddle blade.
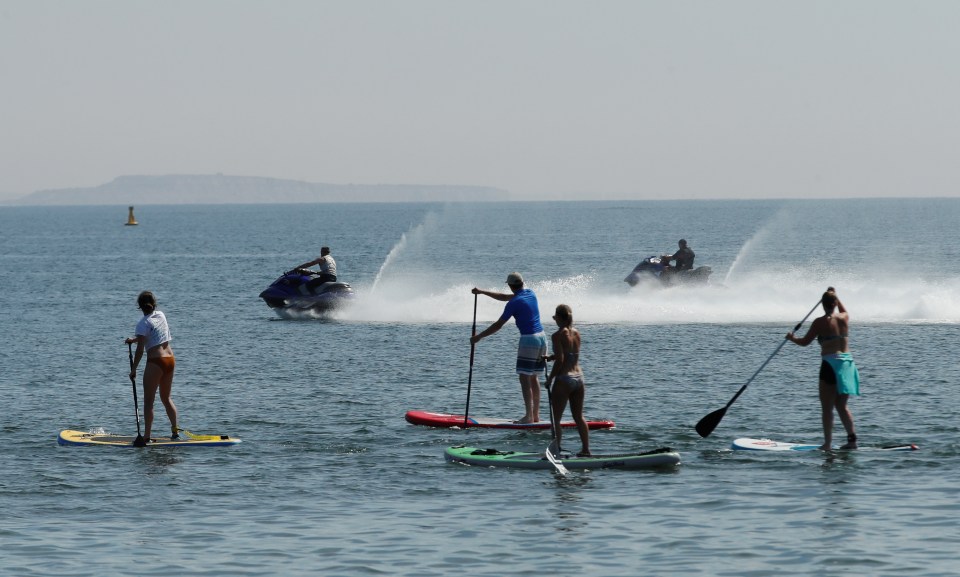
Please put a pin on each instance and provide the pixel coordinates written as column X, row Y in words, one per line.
column 193, row 437
column 710, row 422
column 556, row 463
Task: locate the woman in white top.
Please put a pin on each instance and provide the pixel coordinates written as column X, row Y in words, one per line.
column 153, row 336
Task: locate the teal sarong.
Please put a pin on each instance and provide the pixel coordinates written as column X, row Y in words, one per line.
column 848, row 377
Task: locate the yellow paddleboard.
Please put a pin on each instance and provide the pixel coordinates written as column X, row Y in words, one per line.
column 82, row 439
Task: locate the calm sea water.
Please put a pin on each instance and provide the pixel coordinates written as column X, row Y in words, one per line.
column 330, row 479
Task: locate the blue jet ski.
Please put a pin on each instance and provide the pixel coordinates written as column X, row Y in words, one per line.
column 657, row 269
column 300, row 290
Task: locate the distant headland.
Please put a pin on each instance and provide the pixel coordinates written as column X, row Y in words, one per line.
column 226, row 189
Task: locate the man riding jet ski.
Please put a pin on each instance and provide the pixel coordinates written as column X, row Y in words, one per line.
column 684, row 257
column 304, row 289
column 658, row 268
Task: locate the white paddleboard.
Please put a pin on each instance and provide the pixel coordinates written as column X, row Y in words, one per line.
column 746, row 444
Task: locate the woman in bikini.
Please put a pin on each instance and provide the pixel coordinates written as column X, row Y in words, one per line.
column 839, row 377
column 153, row 336
column 566, row 378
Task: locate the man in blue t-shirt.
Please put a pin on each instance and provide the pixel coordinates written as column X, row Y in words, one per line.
column 523, row 307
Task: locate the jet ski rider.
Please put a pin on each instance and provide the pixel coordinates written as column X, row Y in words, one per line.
column 328, row 268
column 684, row 257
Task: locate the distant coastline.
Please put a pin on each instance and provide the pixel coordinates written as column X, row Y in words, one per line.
column 227, row 189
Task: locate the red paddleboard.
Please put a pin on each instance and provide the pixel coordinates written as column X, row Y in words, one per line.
column 430, row 419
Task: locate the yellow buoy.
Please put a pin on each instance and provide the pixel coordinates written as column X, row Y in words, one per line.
column 130, row 220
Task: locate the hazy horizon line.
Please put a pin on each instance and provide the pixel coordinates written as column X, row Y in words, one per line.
column 13, row 199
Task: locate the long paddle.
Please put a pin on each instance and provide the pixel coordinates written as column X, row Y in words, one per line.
column 139, row 441
column 548, row 453
column 707, row 424
column 473, row 347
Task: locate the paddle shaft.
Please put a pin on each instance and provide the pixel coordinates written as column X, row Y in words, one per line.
column 553, row 423
column 750, row 380
column 775, row 351
column 473, row 347
column 554, row 428
column 133, row 382
column 707, row 424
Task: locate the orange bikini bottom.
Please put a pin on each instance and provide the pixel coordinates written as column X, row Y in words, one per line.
column 166, row 364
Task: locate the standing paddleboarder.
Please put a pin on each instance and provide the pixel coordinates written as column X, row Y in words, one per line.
column 566, row 377
column 523, row 307
column 839, row 377
column 153, row 336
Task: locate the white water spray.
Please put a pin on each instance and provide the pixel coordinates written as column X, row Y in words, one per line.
column 759, row 238
column 754, row 293
column 745, row 250
column 415, row 235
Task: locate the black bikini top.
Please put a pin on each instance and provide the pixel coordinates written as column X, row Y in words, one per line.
column 824, row 338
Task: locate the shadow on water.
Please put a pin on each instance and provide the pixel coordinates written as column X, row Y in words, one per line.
column 159, row 461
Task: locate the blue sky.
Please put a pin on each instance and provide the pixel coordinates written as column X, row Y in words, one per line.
column 547, row 99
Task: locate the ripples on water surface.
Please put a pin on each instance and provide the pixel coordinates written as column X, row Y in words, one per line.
column 330, row 480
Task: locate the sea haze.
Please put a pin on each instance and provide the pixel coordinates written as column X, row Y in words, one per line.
column 219, row 189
